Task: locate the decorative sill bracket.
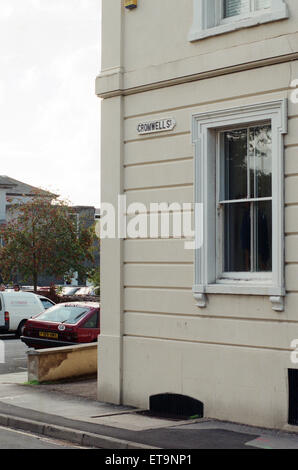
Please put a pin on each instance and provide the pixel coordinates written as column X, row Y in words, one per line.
column 277, row 303
column 201, row 300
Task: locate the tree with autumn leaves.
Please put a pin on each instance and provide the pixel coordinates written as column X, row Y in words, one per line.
column 43, row 238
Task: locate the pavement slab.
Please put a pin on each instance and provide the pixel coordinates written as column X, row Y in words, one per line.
column 132, row 422
column 82, row 388
column 14, row 378
column 67, row 410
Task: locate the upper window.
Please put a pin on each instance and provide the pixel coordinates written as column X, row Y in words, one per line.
column 213, row 17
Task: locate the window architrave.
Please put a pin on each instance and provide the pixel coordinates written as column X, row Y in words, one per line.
column 205, row 129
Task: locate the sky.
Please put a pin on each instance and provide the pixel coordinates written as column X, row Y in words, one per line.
column 49, row 113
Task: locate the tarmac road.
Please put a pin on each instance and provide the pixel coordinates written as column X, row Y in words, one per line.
column 13, row 439
column 14, row 355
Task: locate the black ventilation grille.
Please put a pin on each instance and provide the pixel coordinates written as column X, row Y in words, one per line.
column 175, row 406
column 293, row 396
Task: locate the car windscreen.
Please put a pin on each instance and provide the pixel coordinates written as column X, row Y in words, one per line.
column 63, row 313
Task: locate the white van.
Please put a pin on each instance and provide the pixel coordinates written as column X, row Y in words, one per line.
column 17, row 307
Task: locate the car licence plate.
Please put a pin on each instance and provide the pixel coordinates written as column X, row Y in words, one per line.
column 45, row 334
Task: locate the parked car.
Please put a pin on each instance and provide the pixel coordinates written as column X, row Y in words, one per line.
column 31, row 288
column 83, row 291
column 63, row 325
column 88, row 290
column 69, row 290
column 17, row 307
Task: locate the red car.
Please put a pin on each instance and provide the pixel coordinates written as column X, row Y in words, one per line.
column 63, row 325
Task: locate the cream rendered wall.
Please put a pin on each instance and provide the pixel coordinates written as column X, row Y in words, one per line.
column 156, row 34
column 234, row 354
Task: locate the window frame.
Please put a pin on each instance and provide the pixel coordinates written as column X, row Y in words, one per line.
column 205, row 129
column 223, row 276
column 208, row 21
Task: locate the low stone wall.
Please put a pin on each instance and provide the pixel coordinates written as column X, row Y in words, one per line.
column 53, row 364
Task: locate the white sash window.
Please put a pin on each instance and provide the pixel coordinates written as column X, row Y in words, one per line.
column 213, row 17
column 239, row 184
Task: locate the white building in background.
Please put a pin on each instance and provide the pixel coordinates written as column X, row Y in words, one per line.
column 13, row 192
column 198, row 106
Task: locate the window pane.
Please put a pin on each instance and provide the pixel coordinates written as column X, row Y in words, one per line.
column 241, row 7
column 235, row 164
column 237, row 237
column 47, row 303
column 235, row 7
column 92, row 322
column 263, row 237
column 260, row 158
column 260, row 4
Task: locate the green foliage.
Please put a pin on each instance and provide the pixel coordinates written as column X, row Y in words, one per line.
column 42, row 238
column 94, row 278
column 59, row 290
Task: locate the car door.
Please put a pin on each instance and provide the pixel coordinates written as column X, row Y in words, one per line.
column 89, row 330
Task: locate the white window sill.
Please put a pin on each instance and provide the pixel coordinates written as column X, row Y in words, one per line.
column 241, row 288
column 276, row 294
column 277, row 15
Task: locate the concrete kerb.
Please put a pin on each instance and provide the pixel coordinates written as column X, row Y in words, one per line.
column 71, row 435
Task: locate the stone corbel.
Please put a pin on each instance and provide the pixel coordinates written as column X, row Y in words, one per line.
column 201, row 300
column 277, row 303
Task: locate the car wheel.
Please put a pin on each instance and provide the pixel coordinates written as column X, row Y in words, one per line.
column 20, row 329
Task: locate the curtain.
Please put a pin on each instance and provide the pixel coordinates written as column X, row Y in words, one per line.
column 236, row 7
column 241, row 7
column 260, row 4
